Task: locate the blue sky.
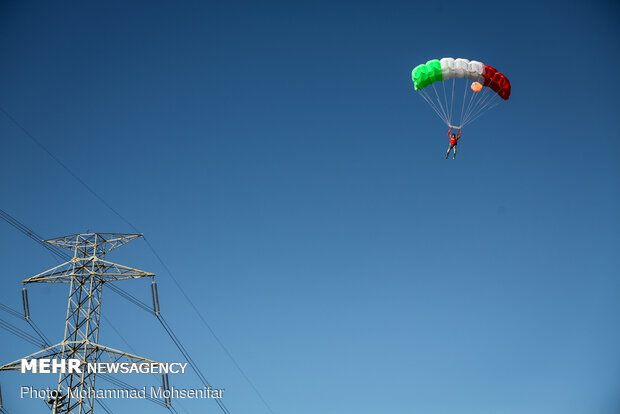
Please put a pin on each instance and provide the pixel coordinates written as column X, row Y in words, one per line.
column 278, row 159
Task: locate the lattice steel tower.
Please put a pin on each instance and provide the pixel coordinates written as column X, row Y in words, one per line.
column 86, row 273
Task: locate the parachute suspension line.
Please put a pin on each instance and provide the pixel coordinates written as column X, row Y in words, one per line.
column 487, row 103
column 463, row 106
column 473, row 101
column 431, row 101
column 490, row 95
column 474, row 109
column 452, row 101
column 478, row 106
column 482, row 113
column 493, row 102
column 435, row 103
column 471, row 105
column 423, row 95
column 432, row 105
column 490, row 103
column 446, row 101
column 475, row 105
column 440, row 104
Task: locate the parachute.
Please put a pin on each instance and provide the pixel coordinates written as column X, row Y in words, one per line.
column 442, row 78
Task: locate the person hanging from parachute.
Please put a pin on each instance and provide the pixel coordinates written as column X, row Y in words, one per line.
column 453, row 142
column 439, row 80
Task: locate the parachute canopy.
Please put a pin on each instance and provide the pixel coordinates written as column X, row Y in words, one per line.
column 436, row 70
column 495, row 84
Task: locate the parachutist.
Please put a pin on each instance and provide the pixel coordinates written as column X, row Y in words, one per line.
column 488, row 88
column 453, row 141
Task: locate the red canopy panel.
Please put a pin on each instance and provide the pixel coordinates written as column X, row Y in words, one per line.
column 496, row 81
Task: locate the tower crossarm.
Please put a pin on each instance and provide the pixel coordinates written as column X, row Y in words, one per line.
column 96, row 352
column 114, row 355
column 46, row 353
column 80, row 268
column 85, row 243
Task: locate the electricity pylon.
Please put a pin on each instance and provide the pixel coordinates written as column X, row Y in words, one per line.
column 86, row 274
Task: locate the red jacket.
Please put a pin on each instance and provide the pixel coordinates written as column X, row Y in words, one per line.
column 453, row 140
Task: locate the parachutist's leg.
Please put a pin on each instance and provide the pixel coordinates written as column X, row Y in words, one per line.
column 454, row 153
column 448, row 153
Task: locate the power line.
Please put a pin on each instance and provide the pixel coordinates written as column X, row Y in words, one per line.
column 125, row 386
column 208, row 326
column 103, row 405
column 172, row 336
column 163, row 264
column 128, row 345
column 39, row 332
column 10, row 310
column 9, row 327
column 129, row 297
column 189, row 359
column 31, row 322
column 65, row 167
column 54, row 250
